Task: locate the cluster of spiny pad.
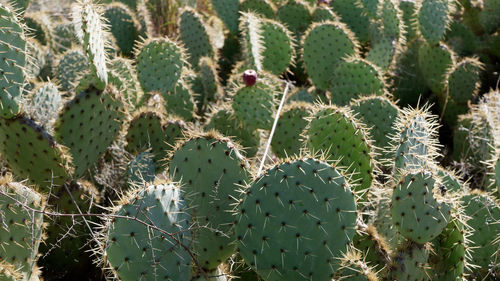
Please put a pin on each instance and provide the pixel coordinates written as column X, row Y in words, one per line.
column 261, row 139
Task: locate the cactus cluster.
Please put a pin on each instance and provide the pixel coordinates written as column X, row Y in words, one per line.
column 263, row 140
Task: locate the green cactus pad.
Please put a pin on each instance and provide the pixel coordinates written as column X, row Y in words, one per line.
column 336, row 132
column 180, row 101
column 194, row 36
column 44, row 105
column 63, row 37
column 131, row 92
column 296, row 221
column 415, row 144
column 292, row 122
column 22, row 229
column 12, row 62
column 159, row 65
column 379, row 114
column 88, row 125
column 71, row 67
column 323, row 13
column 434, row 62
column 212, row 90
column 370, row 7
column 410, row 262
column 148, row 129
column 451, row 180
column 35, row 59
column 325, row 44
column 32, row 153
column 278, row 44
column 296, row 15
column 211, row 170
column 484, row 214
column 415, row 212
column 227, row 10
column 354, row 78
column 38, row 27
column 434, row 18
column 91, row 30
column 136, row 251
column 489, row 17
column 409, row 8
column 254, row 106
column 461, row 39
column 265, row 8
column 463, row 85
column 225, row 122
column 373, row 245
column 123, row 25
column 354, row 16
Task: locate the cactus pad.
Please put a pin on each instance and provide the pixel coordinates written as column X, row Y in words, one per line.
column 71, row 67
column 194, row 36
column 433, row 19
column 123, row 26
column 44, row 105
column 254, row 105
column 292, row 122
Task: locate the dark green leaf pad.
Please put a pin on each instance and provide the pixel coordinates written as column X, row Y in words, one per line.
column 461, row 39
column 254, row 106
column 35, row 59
column 354, row 78
column 292, row 122
column 225, row 122
column 296, row 15
column 38, row 27
column 44, row 105
column 228, row 12
column 484, row 214
column 158, row 250
column 131, row 92
column 296, row 221
column 123, row 25
column 410, row 262
column 212, row 89
column 325, row 44
column 463, row 85
column 32, row 153
column 379, row 114
column 149, row 129
column 159, row 64
column 415, row 144
column 451, row 180
column 434, row 17
column 21, row 230
column 264, row 8
column 450, row 257
column 409, row 8
column 12, row 62
column 354, row 16
column 434, row 62
column 415, row 212
column 71, row 67
column 323, row 13
column 141, row 169
column 65, row 251
column 337, row 133
column 370, row 7
column 88, row 125
column 194, row 36
column 180, row 101
column 490, row 15
column 211, row 171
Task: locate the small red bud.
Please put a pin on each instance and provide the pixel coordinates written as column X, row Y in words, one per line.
column 249, row 77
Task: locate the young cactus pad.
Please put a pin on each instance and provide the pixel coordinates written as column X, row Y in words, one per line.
column 194, row 36
column 254, row 106
column 157, row 250
column 211, row 171
column 12, row 62
column 433, row 19
column 296, row 221
column 415, row 211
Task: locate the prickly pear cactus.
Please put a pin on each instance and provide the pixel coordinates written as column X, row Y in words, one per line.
column 410, row 262
column 354, row 16
column 125, row 70
column 415, row 211
column 340, row 136
column 32, row 153
column 194, row 36
column 227, row 10
column 88, row 124
column 156, row 250
column 355, row 268
column 180, row 101
column 22, row 228
column 71, row 67
column 225, row 122
column 159, row 64
column 12, row 62
column 254, row 105
column 296, row 221
column 91, row 30
column 149, row 129
column 63, row 37
column 374, row 245
column 38, row 26
column 44, row 105
column 292, row 123
column 296, row 15
column 123, row 26
column 212, row 171
column 141, row 169
column 324, row 46
column 212, row 90
column 265, row 8
column 354, row 78
column 434, row 17
column 434, row 62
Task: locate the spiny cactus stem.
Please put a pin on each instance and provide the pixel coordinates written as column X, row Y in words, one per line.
column 110, row 216
column 274, row 127
column 79, row 210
